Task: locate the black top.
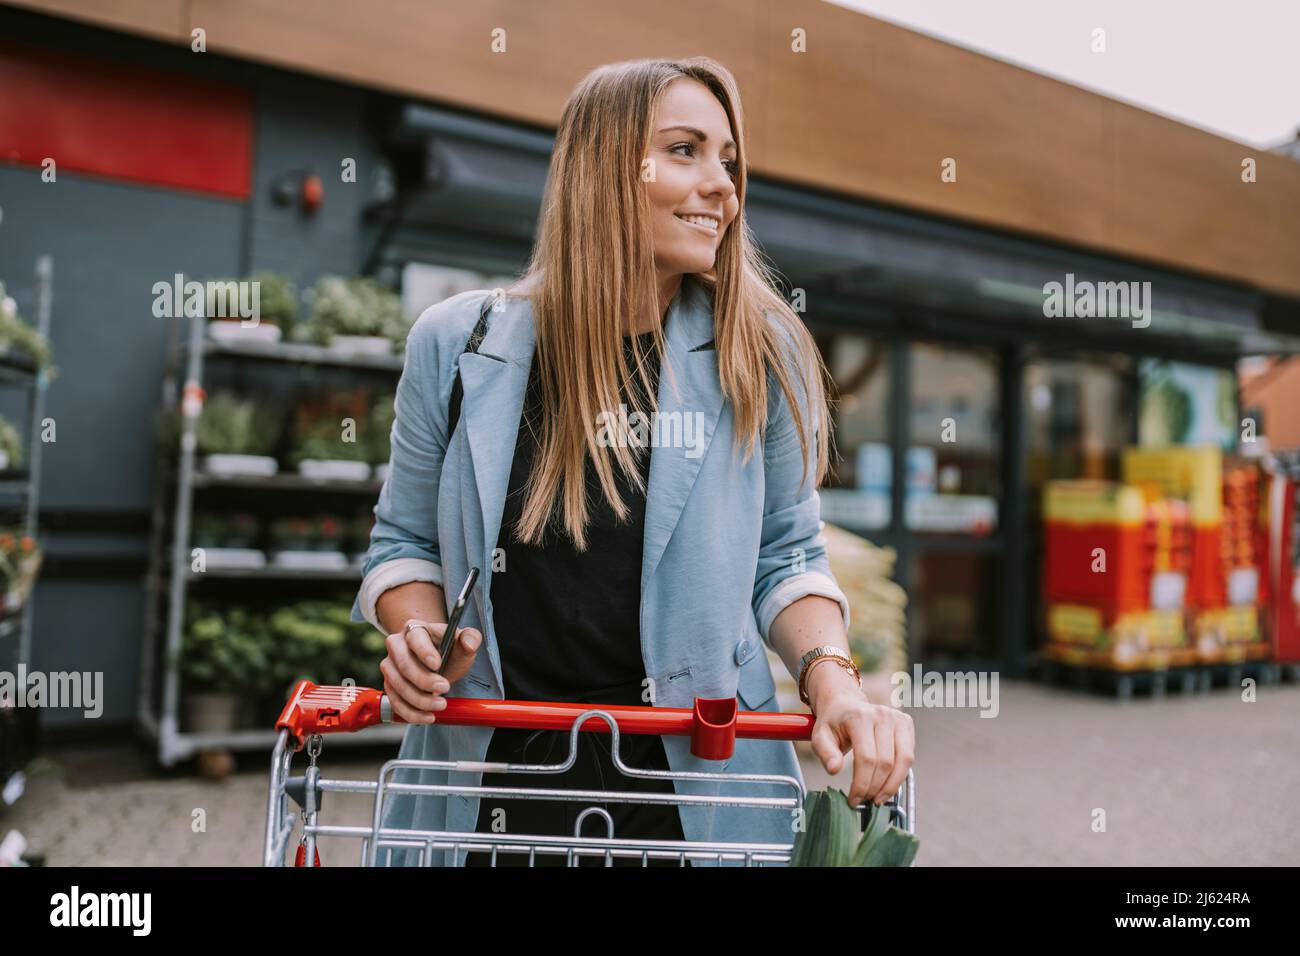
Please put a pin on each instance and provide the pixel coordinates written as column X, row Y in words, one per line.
column 568, row 622
column 568, row 628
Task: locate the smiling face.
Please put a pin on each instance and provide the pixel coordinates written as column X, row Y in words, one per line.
column 693, row 196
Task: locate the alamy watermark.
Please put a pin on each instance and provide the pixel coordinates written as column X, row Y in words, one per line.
column 75, row 908
column 945, row 689
column 1085, row 300
column 82, row 690
column 657, row 429
column 228, row 298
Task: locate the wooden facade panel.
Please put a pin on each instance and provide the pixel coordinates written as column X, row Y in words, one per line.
column 870, row 110
column 160, row 19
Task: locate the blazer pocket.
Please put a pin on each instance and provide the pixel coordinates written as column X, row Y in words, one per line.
column 755, row 685
column 477, row 681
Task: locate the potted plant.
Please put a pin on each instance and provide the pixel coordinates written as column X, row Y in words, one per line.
column 241, row 530
column 11, row 446
column 207, row 530
column 354, row 315
column 312, row 641
column 20, row 562
column 309, row 543
column 291, row 534
column 17, row 336
column 329, row 533
column 227, row 540
column 322, row 447
column 237, row 434
column 276, row 308
column 224, row 660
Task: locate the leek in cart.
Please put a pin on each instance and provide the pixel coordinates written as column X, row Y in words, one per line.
column 831, row 835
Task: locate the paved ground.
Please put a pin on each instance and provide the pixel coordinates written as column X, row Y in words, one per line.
column 1183, row 781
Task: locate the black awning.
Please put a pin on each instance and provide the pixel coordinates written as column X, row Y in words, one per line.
column 480, row 181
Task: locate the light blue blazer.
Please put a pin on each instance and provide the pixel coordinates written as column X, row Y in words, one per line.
column 727, row 548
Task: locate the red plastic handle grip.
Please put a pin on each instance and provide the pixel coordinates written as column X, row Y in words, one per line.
column 713, row 724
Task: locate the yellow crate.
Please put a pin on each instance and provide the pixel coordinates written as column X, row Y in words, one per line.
column 1137, row 640
column 1093, row 502
column 1193, row 473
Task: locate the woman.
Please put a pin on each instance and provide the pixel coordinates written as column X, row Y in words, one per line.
column 616, row 572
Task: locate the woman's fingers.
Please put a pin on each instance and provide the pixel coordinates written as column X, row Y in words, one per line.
column 883, row 732
column 403, row 710
column 418, row 675
column 468, row 641
column 420, row 642
column 411, row 680
column 863, row 741
column 904, row 747
column 400, row 689
column 826, row 747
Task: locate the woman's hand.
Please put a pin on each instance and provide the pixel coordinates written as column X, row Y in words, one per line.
column 882, row 739
column 411, row 678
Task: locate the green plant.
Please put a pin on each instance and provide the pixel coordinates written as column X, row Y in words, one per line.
column 229, row 648
column 319, row 641
column 831, row 837
column 328, row 532
column 17, row 552
column 277, row 299
column 1164, row 413
column 321, row 428
column 292, row 534
column 242, row 530
column 11, row 444
column 17, row 334
column 226, row 651
column 357, row 306
column 232, row 424
column 208, row 531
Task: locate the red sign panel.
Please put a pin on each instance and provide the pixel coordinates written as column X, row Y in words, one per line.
column 106, row 118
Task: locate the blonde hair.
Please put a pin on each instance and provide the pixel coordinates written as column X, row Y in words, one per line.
column 592, row 266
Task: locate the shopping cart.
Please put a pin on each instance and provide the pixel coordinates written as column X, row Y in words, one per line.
column 713, row 726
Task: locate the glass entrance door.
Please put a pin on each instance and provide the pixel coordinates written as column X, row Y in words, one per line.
column 953, row 486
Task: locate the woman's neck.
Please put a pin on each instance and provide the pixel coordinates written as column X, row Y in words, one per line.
column 668, row 289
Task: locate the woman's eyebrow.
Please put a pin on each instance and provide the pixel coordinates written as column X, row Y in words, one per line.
column 699, row 134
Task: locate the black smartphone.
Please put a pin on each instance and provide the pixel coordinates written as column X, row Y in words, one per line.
column 453, row 622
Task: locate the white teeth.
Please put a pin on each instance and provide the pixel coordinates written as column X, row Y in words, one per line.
column 704, row 221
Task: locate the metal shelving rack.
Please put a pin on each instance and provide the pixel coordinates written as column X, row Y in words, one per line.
column 18, row 726
column 169, row 567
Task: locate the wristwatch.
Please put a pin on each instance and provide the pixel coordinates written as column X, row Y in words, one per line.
column 826, row 652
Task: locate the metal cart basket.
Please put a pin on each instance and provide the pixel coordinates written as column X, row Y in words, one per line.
column 713, row 726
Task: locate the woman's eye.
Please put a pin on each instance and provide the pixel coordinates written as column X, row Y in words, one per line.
column 733, row 166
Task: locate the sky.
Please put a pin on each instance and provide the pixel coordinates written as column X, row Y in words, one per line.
column 1230, row 67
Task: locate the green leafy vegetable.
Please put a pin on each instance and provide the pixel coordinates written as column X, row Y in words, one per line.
column 831, row 835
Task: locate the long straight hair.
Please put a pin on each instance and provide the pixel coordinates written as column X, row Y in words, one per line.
column 592, row 267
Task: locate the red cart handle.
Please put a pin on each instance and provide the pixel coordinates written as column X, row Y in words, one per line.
column 713, row 724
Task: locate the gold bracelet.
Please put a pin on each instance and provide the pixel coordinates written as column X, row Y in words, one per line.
column 848, row 665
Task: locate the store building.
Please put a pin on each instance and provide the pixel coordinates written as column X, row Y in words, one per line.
column 960, row 393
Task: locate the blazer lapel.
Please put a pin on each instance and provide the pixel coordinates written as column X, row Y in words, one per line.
column 695, row 402
column 494, row 380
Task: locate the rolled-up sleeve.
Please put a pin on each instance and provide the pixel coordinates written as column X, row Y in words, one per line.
column 404, row 540
column 792, row 559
